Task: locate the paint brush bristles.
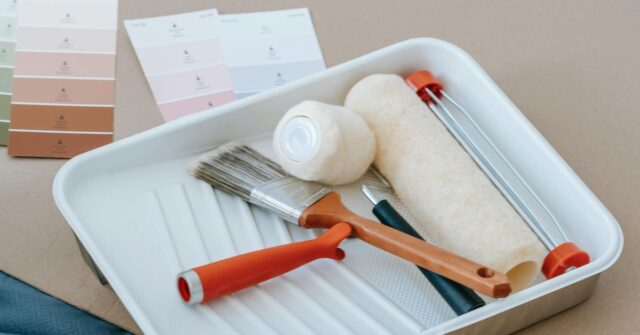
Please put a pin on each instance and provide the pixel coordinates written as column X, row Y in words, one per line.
column 236, row 169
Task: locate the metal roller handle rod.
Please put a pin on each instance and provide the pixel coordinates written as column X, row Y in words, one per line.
column 506, row 161
column 443, row 113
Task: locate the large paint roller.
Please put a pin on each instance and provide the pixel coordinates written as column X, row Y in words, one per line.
column 563, row 255
column 440, row 183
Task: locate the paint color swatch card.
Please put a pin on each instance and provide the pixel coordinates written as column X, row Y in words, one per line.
column 268, row 49
column 183, row 62
column 64, row 77
column 8, row 26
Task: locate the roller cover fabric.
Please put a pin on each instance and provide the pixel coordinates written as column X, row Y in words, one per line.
column 346, row 145
column 440, row 183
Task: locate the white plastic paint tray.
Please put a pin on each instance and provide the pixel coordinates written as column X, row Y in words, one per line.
column 143, row 219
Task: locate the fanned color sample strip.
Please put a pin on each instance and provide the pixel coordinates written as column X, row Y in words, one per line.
column 199, row 60
column 64, row 77
column 8, row 25
column 268, row 49
column 183, row 62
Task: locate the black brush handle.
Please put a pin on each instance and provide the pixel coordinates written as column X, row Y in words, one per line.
column 459, row 297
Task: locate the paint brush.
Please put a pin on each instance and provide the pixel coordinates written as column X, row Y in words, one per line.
column 242, row 171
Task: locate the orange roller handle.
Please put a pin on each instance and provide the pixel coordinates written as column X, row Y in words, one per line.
column 422, row 79
column 229, row 275
column 562, row 258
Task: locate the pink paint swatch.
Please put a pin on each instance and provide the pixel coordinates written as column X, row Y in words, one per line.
column 196, row 82
column 65, row 65
column 178, row 57
column 173, row 110
column 183, row 61
column 66, row 40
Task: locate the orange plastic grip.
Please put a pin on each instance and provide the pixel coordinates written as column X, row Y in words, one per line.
column 422, row 79
column 229, row 275
column 563, row 257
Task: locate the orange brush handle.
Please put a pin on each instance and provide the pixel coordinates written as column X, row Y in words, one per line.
column 330, row 210
column 229, row 275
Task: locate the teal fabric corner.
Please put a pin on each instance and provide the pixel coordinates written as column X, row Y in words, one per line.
column 26, row 310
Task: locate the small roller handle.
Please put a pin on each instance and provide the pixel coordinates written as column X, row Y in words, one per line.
column 459, row 297
column 229, row 275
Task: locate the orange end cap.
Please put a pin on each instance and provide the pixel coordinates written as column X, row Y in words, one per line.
column 559, row 260
column 422, row 79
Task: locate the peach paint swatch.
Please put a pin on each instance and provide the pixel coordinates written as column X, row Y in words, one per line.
column 8, row 26
column 183, row 61
column 64, row 77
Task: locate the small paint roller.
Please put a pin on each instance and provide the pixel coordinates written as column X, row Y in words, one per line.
column 324, row 143
column 211, row 281
column 563, row 255
column 242, row 171
column 440, row 183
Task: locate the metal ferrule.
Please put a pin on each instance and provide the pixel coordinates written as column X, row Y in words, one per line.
column 288, row 197
column 194, row 285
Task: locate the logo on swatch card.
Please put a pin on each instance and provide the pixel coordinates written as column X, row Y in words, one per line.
column 67, row 18
column 280, row 80
column 63, row 95
column 188, row 57
column 61, row 122
column 59, row 147
column 66, row 44
column 64, row 68
column 200, row 84
column 176, row 30
column 8, row 29
column 272, row 53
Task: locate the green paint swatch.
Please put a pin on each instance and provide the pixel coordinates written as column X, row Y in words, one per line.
column 5, row 106
column 8, row 25
column 7, row 53
column 8, row 28
column 4, row 133
column 6, row 79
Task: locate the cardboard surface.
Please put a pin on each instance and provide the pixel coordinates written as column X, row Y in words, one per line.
column 572, row 67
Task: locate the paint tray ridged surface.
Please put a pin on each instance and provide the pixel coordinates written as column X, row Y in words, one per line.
column 144, row 219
